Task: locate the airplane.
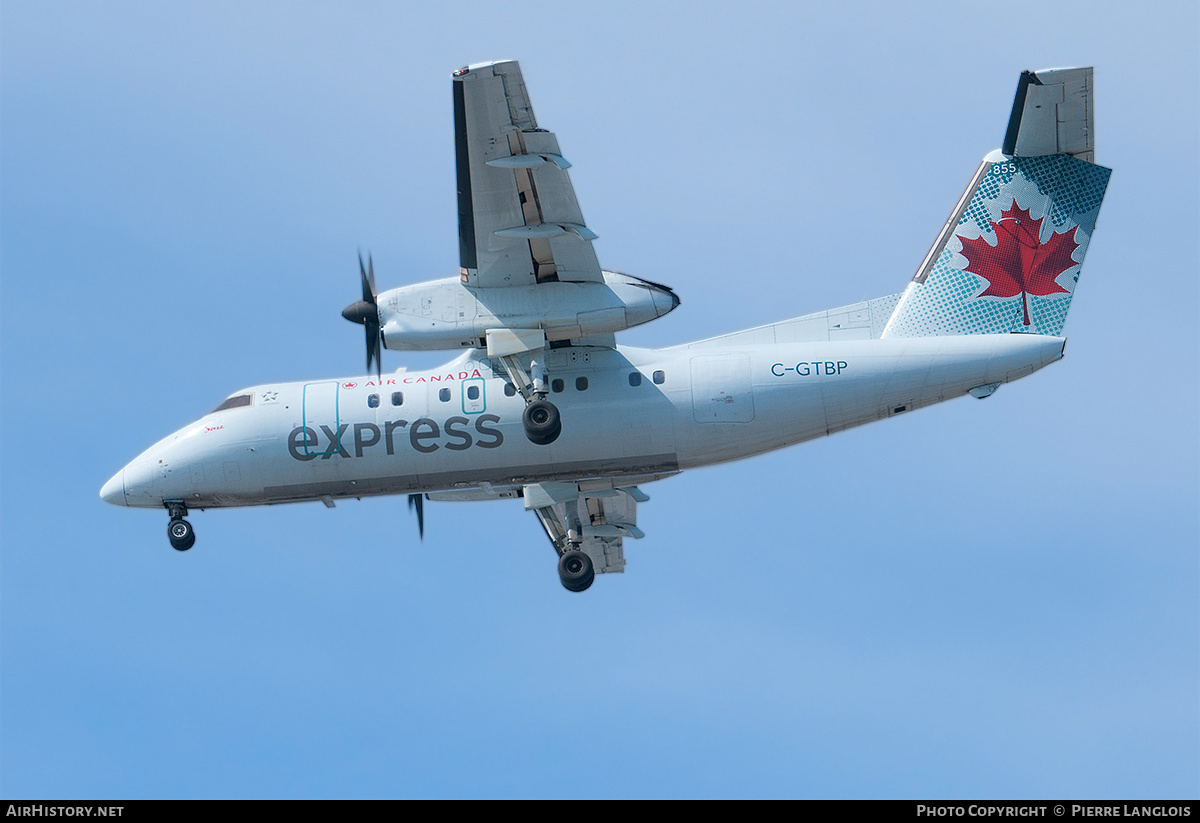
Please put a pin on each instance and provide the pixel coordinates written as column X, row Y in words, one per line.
column 542, row 405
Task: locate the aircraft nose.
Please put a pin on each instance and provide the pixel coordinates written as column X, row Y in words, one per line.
column 141, row 478
column 114, row 490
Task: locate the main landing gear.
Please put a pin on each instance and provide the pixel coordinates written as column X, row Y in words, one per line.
column 575, row 570
column 543, row 423
column 541, row 419
column 179, row 531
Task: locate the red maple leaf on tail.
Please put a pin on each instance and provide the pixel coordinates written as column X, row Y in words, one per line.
column 1020, row 263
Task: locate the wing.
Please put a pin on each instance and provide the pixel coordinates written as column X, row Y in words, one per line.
column 518, row 220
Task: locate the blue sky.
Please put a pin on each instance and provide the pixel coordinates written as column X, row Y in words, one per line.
column 985, row 599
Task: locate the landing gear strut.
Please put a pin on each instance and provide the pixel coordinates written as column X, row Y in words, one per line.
column 179, row 531
column 575, row 567
column 541, row 419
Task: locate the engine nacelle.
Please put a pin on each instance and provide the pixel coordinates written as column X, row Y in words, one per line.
column 448, row 314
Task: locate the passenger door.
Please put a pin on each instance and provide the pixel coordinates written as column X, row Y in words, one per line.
column 321, row 419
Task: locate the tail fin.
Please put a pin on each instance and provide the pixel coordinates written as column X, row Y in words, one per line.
column 1009, row 257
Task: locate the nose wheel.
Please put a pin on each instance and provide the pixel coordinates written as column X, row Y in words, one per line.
column 181, row 534
column 179, row 531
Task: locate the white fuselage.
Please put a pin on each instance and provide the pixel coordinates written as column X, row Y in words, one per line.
column 457, row 428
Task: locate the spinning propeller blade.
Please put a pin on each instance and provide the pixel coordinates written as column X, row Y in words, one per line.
column 418, row 500
column 366, row 312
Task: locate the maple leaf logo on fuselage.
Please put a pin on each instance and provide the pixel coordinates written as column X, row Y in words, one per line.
column 1020, row 263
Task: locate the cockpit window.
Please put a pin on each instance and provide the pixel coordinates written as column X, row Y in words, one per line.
column 234, row 402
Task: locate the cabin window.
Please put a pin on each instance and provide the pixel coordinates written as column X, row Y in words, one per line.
column 660, row 377
column 556, row 385
column 373, row 401
column 472, row 392
column 444, row 395
column 237, row 401
column 635, row 378
column 397, row 398
column 580, row 384
column 509, row 390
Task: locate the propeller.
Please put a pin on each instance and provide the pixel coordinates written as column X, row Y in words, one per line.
column 418, row 500
column 366, row 313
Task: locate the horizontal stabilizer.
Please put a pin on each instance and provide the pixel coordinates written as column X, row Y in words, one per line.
column 1052, row 113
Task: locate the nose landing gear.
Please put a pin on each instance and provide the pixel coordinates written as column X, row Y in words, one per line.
column 179, row 531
